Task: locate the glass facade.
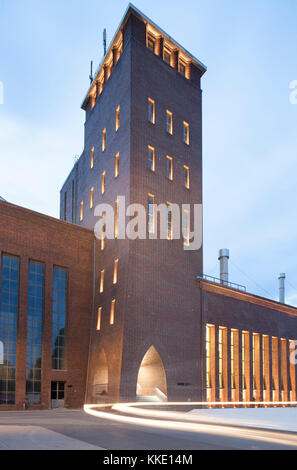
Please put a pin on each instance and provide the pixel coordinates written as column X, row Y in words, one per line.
column 9, row 306
column 59, row 318
column 34, row 332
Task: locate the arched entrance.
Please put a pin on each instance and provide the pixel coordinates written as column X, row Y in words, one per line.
column 100, row 382
column 151, row 380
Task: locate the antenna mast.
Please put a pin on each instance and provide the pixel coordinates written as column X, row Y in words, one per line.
column 104, row 41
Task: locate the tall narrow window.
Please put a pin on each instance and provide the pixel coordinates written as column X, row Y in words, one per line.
column 151, row 42
column 103, row 182
column 116, row 229
column 116, row 165
column 34, row 332
column 167, row 55
column 151, row 110
column 245, row 359
column 112, row 309
column 186, row 177
column 101, row 281
column 232, row 359
column 9, row 307
column 117, row 122
column 169, row 122
column 151, row 158
column 169, row 221
column 275, row 372
column 59, row 318
column 186, row 133
column 265, row 366
column 208, row 356
column 92, row 198
column 169, row 168
column 92, row 157
column 99, row 315
column 221, row 358
column 81, row 211
column 182, row 67
column 150, row 213
column 186, row 227
column 115, row 271
column 103, row 140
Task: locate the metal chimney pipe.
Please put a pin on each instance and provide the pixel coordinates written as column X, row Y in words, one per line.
column 281, row 279
column 224, row 272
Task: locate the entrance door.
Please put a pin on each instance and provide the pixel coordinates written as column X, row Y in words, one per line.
column 57, row 394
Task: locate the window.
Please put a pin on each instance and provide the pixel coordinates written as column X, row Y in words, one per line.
column 232, row 359
column 117, row 122
column 151, row 158
column 169, row 122
column 169, row 221
column 103, row 182
column 182, row 67
column 115, row 271
column 208, row 356
column 150, row 213
column 186, row 177
column 59, row 318
column 99, row 315
column 81, row 211
column 275, row 366
column 245, row 359
column 9, row 301
column 116, row 165
column 34, row 332
column 186, row 133
column 151, row 110
column 167, row 56
column 112, row 308
column 116, row 229
column 151, row 42
column 221, row 364
column 103, row 140
column 65, row 205
column 169, row 168
column 102, row 281
column 186, row 227
column 92, row 157
column 91, row 198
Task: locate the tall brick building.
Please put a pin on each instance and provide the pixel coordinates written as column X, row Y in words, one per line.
column 90, row 319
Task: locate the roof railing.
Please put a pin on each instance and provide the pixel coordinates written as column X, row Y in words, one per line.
column 215, row 280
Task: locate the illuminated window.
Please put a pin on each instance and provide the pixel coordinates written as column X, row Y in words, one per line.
column 186, row 133
column 151, row 42
column 221, row 348
column 101, row 281
column 115, row 271
column 92, row 158
column 186, row 227
column 186, row 177
column 150, row 213
column 92, row 198
column 103, row 182
column 208, row 356
column 169, row 122
column 166, row 56
column 116, row 230
column 275, row 374
column 169, row 168
column 112, row 308
column 232, row 359
column 116, row 165
column 169, row 221
column 103, row 140
column 81, row 211
column 117, row 123
column 151, row 110
column 99, row 315
column 182, row 67
column 151, row 158
column 245, row 359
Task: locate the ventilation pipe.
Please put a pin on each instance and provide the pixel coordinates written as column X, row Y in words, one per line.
column 281, row 279
column 224, row 272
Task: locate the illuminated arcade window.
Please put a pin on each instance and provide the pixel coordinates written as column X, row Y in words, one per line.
column 151, row 158
column 169, row 168
column 103, row 140
column 99, row 315
column 116, row 165
column 151, row 110
column 186, row 177
column 91, row 198
column 102, row 281
column 117, row 121
column 115, row 271
column 186, row 133
column 112, row 309
column 81, row 216
column 92, row 157
column 103, row 182
column 169, row 122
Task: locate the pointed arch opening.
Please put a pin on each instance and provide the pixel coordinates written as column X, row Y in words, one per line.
column 100, row 382
column 151, row 380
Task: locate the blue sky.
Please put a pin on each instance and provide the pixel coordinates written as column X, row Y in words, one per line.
column 249, row 124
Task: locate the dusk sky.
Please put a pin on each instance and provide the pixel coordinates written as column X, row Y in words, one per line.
column 249, row 123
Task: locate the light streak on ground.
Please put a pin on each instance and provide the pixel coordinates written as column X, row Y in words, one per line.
column 177, row 421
